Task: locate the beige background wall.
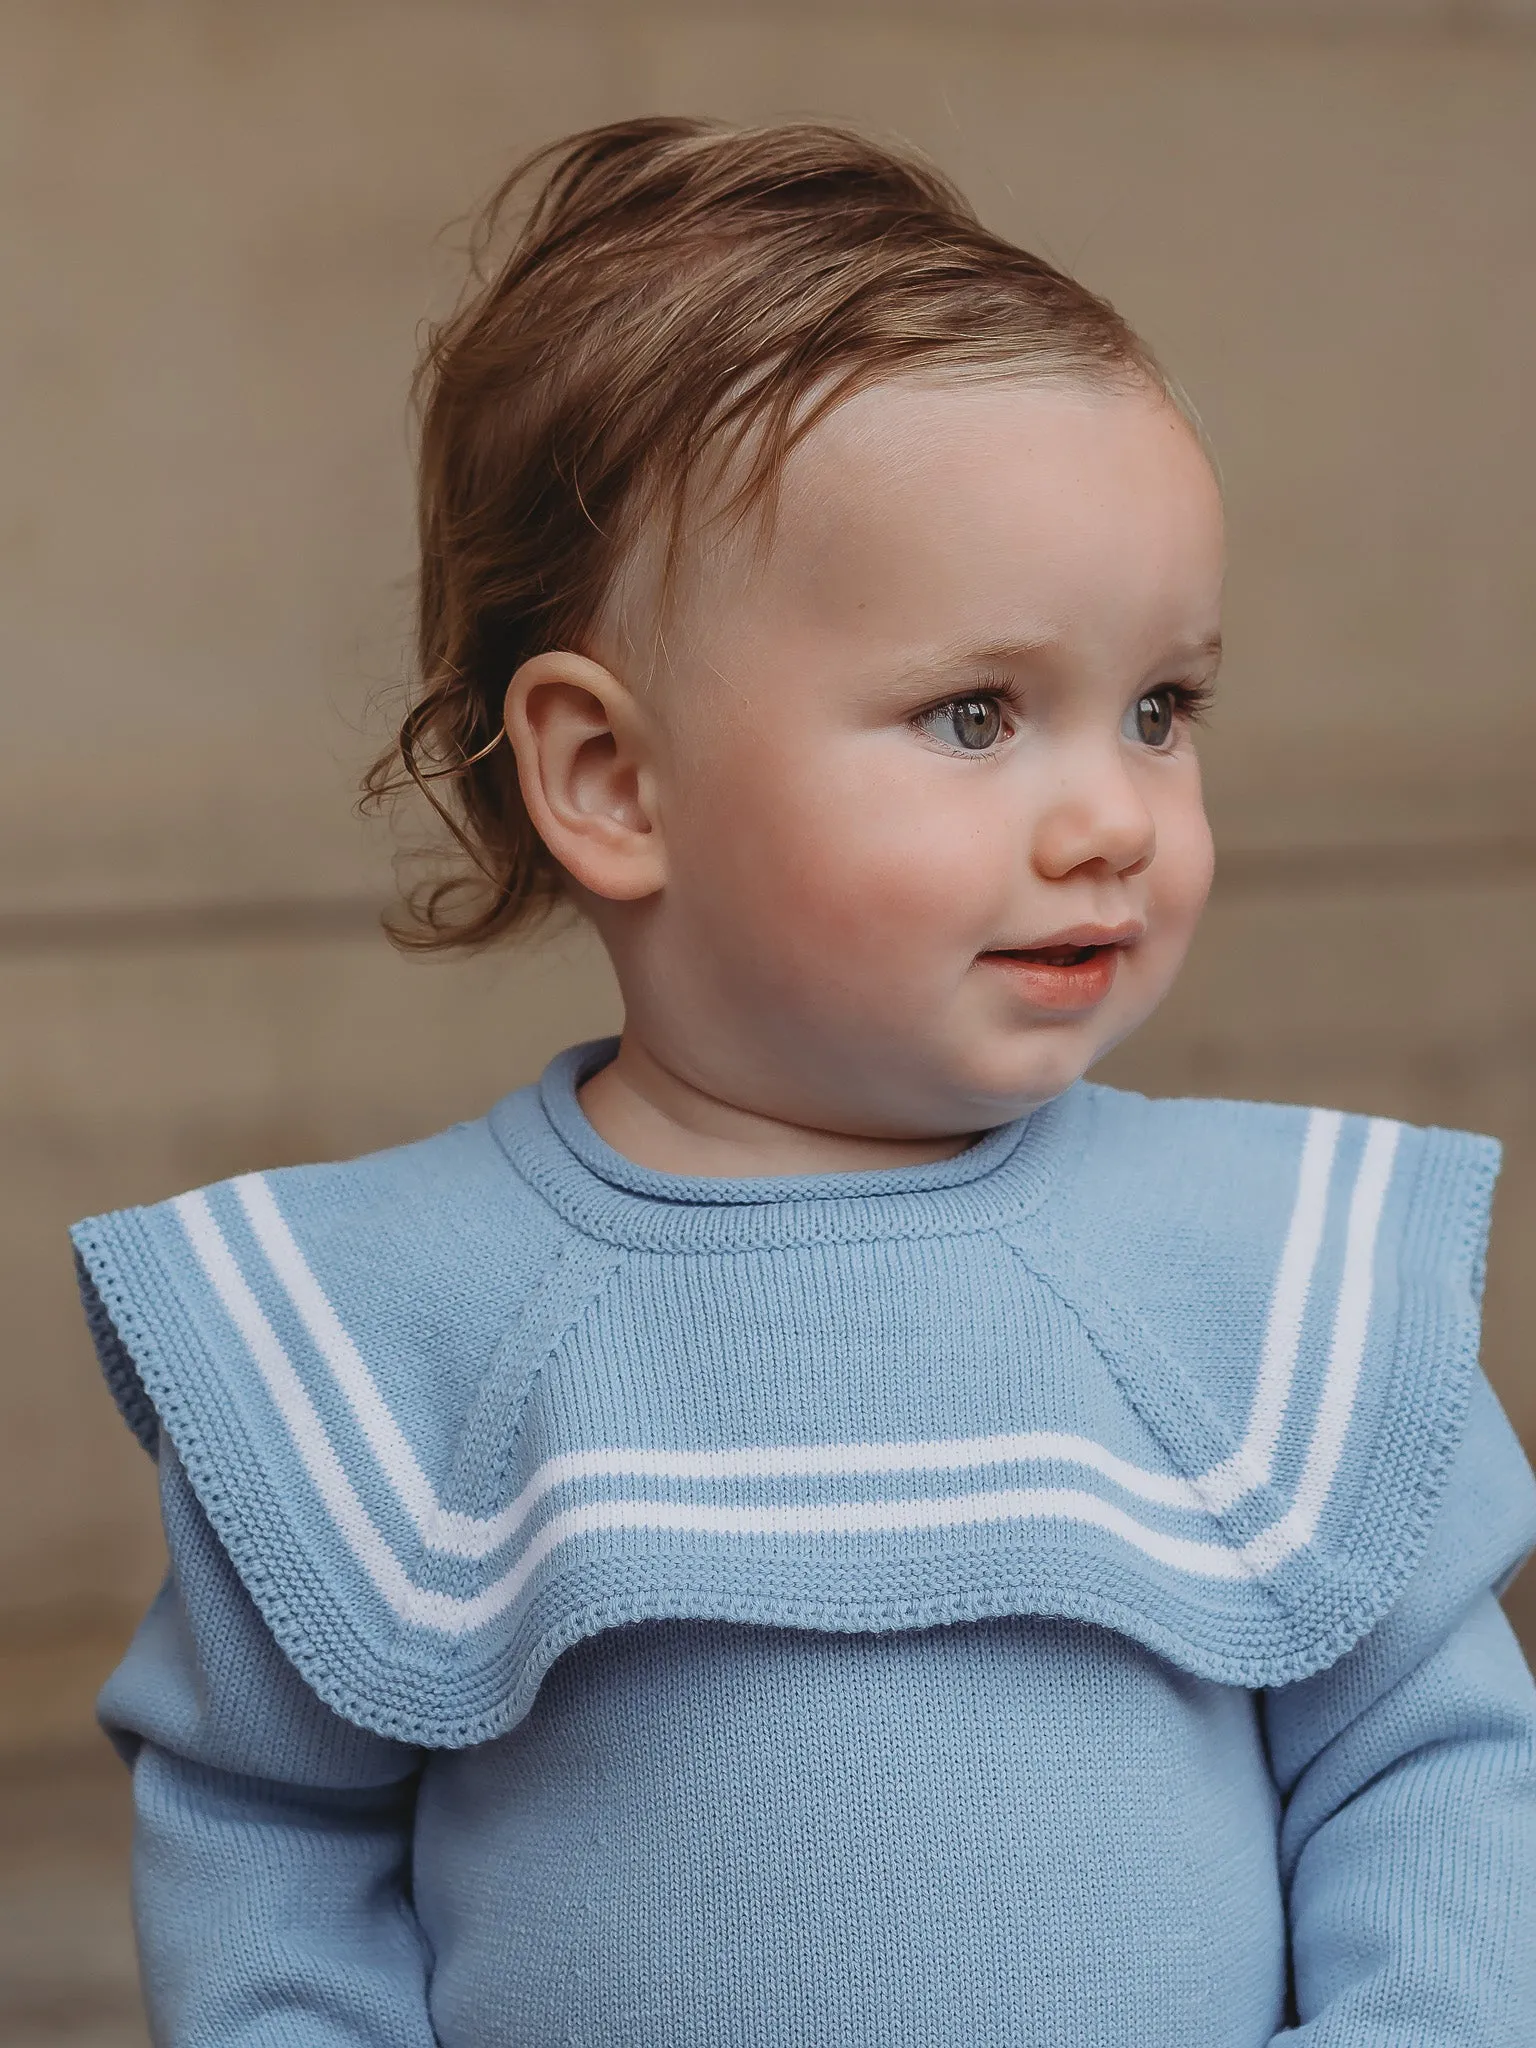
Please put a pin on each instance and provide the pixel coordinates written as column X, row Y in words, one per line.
column 219, row 222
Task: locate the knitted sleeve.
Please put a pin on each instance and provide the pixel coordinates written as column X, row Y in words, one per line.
column 272, row 1838
column 1408, row 1771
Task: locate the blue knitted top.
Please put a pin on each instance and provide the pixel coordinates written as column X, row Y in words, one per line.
column 1042, row 1597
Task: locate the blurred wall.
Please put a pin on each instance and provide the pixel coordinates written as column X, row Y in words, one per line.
column 221, row 224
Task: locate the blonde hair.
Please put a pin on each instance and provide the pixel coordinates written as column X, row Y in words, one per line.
column 677, row 291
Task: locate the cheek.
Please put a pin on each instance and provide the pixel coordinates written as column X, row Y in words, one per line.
column 827, row 866
column 1180, row 878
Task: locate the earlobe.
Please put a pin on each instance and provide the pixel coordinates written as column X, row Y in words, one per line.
column 584, row 760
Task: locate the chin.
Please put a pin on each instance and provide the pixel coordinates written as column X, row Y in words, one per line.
column 999, row 1090
column 984, row 1100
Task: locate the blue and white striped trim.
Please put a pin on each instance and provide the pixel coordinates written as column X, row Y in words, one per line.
column 447, row 1532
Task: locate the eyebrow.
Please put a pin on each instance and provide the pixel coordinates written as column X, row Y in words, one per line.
column 1211, row 648
column 1011, row 653
column 963, row 656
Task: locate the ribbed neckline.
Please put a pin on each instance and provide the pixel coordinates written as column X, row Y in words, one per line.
column 547, row 1137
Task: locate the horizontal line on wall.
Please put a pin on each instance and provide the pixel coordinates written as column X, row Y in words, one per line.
column 1303, row 21
column 229, row 921
column 1243, row 872
column 1454, row 864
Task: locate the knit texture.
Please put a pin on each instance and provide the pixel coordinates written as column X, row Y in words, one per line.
column 1190, row 1370
column 1019, row 1833
column 1043, row 1598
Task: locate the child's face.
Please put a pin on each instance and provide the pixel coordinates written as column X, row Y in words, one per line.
column 911, row 763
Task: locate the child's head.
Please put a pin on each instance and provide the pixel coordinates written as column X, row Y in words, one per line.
column 846, row 579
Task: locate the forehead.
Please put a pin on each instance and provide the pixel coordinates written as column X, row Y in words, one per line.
column 1011, row 511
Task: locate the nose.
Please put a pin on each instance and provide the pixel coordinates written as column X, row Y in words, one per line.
column 1097, row 817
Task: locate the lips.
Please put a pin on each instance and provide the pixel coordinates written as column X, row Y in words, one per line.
column 1054, row 956
column 1078, row 938
column 1071, row 971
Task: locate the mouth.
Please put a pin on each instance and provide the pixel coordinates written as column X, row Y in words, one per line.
column 1051, row 956
column 1072, row 971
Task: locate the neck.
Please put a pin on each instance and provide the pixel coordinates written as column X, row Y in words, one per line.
column 659, row 1119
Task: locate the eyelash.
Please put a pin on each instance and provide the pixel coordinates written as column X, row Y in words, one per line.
column 1191, row 702
column 999, row 690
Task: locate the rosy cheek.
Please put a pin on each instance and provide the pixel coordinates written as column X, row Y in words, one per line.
column 1181, row 874
column 824, row 875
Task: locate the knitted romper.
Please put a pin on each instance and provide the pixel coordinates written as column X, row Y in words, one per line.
column 1045, row 1597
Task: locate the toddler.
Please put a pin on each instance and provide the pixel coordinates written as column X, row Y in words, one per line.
column 815, row 1524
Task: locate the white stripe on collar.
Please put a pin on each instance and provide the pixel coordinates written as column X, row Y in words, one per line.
column 446, row 1531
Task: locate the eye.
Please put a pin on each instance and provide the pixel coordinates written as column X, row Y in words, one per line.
column 1150, row 720
column 972, row 725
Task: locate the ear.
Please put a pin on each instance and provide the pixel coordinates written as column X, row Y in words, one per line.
column 584, row 760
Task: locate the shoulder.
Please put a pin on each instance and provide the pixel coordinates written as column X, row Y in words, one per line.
column 321, row 1345
column 1289, row 1298
column 1210, row 1158
column 421, row 1252
column 1187, row 1203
